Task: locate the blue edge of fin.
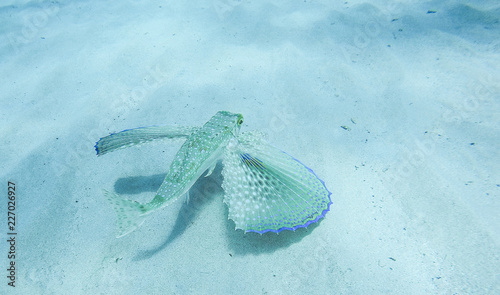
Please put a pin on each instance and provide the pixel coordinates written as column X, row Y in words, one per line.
column 97, row 149
column 95, row 146
column 310, row 221
column 258, row 164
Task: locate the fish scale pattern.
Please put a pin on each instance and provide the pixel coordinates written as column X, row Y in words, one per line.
column 269, row 190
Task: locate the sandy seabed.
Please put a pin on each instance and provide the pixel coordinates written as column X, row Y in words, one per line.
column 394, row 104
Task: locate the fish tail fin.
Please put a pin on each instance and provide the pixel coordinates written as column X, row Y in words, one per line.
column 130, row 214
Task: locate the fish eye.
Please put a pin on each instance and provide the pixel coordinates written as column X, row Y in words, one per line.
column 240, row 121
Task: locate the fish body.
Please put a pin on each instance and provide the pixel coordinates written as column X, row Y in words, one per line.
column 265, row 188
column 201, row 151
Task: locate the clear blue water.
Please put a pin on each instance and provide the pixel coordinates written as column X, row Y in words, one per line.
column 393, row 104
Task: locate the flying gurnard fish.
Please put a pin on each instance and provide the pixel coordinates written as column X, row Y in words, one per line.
column 266, row 190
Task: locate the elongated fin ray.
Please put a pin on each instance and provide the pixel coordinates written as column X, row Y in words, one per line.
column 269, row 190
column 211, row 170
column 130, row 214
column 131, row 137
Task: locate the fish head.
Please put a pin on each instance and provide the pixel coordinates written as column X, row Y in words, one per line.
column 239, row 122
column 230, row 121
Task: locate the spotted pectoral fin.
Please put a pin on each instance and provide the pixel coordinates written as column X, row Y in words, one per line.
column 131, row 137
column 269, row 190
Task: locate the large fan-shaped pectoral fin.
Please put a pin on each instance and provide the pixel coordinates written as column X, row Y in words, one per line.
column 269, row 190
